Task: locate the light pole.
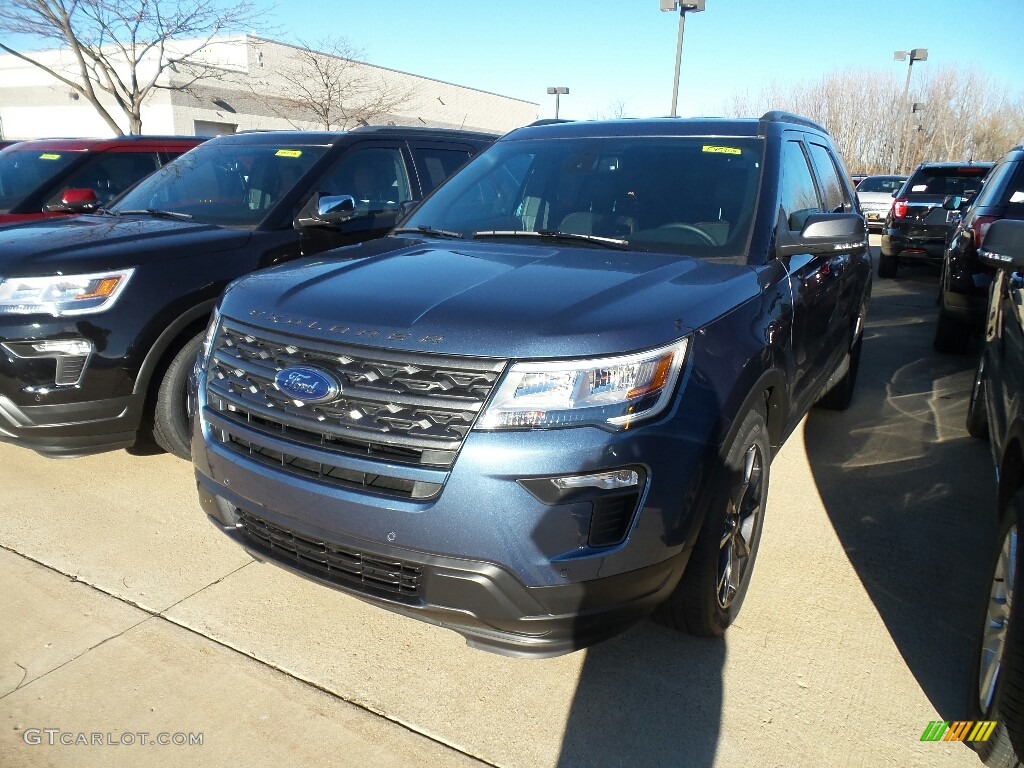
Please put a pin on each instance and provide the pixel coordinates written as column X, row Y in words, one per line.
column 695, row 6
column 915, row 54
column 558, row 92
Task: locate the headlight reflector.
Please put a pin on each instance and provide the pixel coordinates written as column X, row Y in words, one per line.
column 614, row 391
column 62, row 294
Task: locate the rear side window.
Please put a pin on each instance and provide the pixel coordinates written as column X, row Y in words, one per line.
column 436, row 165
column 799, row 199
column 836, row 200
column 1014, row 194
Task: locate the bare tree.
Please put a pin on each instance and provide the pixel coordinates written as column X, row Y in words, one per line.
column 123, row 49
column 617, row 108
column 960, row 115
column 326, row 84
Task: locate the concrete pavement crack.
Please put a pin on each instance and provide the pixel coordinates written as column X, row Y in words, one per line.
column 161, row 615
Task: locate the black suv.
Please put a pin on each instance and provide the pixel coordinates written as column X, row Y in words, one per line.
column 995, row 409
column 101, row 315
column 965, row 278
column 917, row 226
column 550, row 400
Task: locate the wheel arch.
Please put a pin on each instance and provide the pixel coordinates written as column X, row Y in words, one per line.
column 1011, row 468
column 167, row 345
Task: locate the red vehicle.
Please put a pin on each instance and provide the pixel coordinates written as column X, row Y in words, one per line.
column 52, row 177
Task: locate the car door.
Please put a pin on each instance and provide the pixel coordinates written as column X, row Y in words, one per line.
column 1005, row 354
column 850, row 269
column 815, row 285
column 376, row 174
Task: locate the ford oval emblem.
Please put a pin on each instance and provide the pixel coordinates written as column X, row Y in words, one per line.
column 309, row 385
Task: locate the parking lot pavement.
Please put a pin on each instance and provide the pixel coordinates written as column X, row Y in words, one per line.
column 856, row 631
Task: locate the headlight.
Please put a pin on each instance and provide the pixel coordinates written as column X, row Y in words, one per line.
column 614, row 391
column 62, row 294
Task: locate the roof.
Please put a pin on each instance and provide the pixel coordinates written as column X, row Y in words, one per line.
column 80, row 145
column 665, row 126
column 330, row 138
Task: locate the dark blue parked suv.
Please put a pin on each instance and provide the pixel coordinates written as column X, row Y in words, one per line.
column 547, row 404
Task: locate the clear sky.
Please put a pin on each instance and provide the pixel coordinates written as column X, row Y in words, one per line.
column 624, row 50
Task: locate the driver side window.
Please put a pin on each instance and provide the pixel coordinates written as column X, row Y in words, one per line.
column 374, row 176
column 798, row 198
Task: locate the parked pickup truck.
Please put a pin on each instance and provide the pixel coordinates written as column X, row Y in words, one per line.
column 546, row 404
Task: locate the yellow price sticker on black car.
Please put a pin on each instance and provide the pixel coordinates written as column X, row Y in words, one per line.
column 723, row 150
column 289, row 153
column 49, row 156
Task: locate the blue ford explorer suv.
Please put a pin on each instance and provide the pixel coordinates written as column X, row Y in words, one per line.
column 545, row 405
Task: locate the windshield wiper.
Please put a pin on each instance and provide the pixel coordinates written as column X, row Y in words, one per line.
column 550, row 234
column 430, row 231
column 156, row 212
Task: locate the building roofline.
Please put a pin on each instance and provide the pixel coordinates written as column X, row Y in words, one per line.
column 387, row 69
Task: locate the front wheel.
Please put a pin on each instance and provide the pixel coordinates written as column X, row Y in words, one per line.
column 952, row 337
column 887, row 266
column 710, row 594
column 170, row 415
column 998, row 670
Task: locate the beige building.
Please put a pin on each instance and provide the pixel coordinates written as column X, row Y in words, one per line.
column 253, row 89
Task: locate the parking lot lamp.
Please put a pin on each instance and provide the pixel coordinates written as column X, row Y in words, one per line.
column 558, row 91
column 694, row 6
column 915, row 54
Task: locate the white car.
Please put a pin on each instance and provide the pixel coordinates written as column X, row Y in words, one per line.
column 875, row 194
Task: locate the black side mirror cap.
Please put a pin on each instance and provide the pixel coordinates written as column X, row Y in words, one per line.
column 1003, row 246
column 825, row 233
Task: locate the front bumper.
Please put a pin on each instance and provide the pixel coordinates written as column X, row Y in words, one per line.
column 65, row 404
column 510, row 569
column 485, row 603
column 71, row 429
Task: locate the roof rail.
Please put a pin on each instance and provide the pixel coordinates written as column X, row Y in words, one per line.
column 548, row 121
column 779, row 116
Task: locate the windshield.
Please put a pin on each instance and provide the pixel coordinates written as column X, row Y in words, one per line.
column 226, row 182
column 23, row 171
column 887, row 184
column 691, row 195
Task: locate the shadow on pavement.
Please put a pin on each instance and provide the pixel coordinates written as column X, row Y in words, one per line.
column 652, row 697
column 910, row 494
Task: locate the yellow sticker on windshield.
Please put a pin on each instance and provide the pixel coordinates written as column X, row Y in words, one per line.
column 723, row 150
column 49, row 156
column 289, row 153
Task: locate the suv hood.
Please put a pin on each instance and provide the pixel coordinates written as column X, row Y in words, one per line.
column 490, row 299
column 87, row 243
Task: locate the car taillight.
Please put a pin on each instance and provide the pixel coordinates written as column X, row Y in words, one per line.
column 899, row 208
column 980, row 226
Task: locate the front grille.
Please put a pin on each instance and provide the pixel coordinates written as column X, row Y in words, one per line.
column 395, row 409
column 339, row 565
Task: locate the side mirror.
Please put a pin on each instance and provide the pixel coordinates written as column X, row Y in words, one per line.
column 329, row 209
column 82, row 200
column 1003, row 246
column 405, row 209
column 824, row 233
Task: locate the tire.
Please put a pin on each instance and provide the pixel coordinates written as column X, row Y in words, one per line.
column 170, row 414
column 977, row 414
column 951, row 336
column 997, row 679
column 841, row 395
column 701, row 604
column 887, row 266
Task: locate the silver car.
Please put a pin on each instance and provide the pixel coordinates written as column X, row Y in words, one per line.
column 875, row 194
